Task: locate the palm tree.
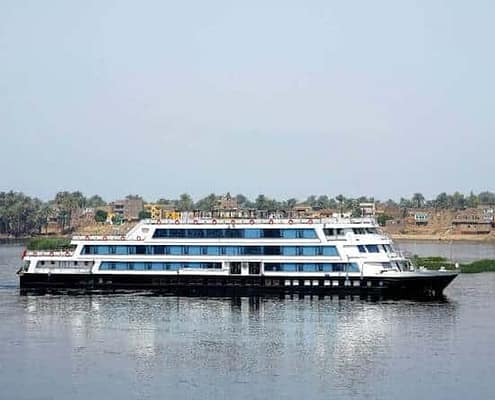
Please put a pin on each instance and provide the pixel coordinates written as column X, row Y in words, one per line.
column 419, row 199
column 340, row 198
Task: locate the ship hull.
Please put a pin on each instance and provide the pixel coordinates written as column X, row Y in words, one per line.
column 414, row 285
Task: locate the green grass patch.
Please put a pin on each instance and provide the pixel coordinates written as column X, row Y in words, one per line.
column 478, row 266
column 48, row 243
column 436, row 263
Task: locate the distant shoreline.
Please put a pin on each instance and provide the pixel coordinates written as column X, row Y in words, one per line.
column 444, row 238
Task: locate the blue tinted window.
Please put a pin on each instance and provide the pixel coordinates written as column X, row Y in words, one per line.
column 309, row 234
column 330, row 251
column 175, row 250
column 353, row 267
column 372, row 248
column 361, row 249
column 252, row 233
column 309, row 267
column 289, row 267
column 194, row 251
column 289, row 250
column 289, row 233
column 309, row 251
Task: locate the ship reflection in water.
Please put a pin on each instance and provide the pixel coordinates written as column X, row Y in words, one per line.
column 309, row 347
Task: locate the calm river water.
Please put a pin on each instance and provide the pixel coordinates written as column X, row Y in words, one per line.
column 138, row 347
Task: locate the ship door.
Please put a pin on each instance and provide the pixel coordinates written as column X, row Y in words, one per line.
column 254, row 268
column 235, row 268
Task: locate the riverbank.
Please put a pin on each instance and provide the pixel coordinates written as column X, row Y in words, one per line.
column 486, row 238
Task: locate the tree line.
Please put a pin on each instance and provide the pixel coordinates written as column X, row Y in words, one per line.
column 22, row 215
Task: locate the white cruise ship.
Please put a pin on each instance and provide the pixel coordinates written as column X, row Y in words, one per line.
column 236, row 257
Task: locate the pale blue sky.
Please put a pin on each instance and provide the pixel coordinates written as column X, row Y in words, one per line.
column 285, row 98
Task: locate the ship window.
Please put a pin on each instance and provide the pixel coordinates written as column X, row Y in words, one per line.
column 372, row 248
column 328, row 231
column 158, row 249
column 272, row 250
column 361, row 248
column 272, row 267
column 309, row 251
column 252, row 250
column 272, row 233
column 191, row 250
column 140, row 249
column 289, row 267
column 175, row 250
column 42, row 263
column 252, row 233
column 213, row 233
column 177, row 233
column 233, row 233
column 330, row 251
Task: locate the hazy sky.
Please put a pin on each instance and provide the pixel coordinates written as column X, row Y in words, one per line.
column 285, row 98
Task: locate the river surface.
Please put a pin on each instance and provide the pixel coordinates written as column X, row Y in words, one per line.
column 457, row 251
column 139, row 347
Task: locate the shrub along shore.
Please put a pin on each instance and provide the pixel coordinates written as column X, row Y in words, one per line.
column 439, row 262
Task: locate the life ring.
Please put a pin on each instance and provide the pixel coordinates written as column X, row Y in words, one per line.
column 291, row 222
column 251, row 221
column 270, row 221
column 232, row 221
column 122, row 237
column 158, row 221
column 87, row 237
column 138, row 238
column 67, row 253
column 177, row 222
column 214, row 221
column 310, row 221
column 104, row 238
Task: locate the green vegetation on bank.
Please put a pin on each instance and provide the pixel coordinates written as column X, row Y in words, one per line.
column 48, row 243
column 479, row 266
column 436, row 263
column 23, row 216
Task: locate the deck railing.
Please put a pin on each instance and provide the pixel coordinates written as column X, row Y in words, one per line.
column 253, row 221
column 51, row 253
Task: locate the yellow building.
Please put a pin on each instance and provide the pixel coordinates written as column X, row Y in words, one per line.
column 162, row 211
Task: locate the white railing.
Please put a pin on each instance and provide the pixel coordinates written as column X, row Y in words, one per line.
column 253, row 221
column 50, row 253
column 99, row 237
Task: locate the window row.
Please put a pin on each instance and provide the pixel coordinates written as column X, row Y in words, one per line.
column 212, row 250
column 157, row 266
column 310, row 267
column 375, row 248
column 248, row 233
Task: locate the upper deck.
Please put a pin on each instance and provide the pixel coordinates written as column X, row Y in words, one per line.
column 232, row 229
